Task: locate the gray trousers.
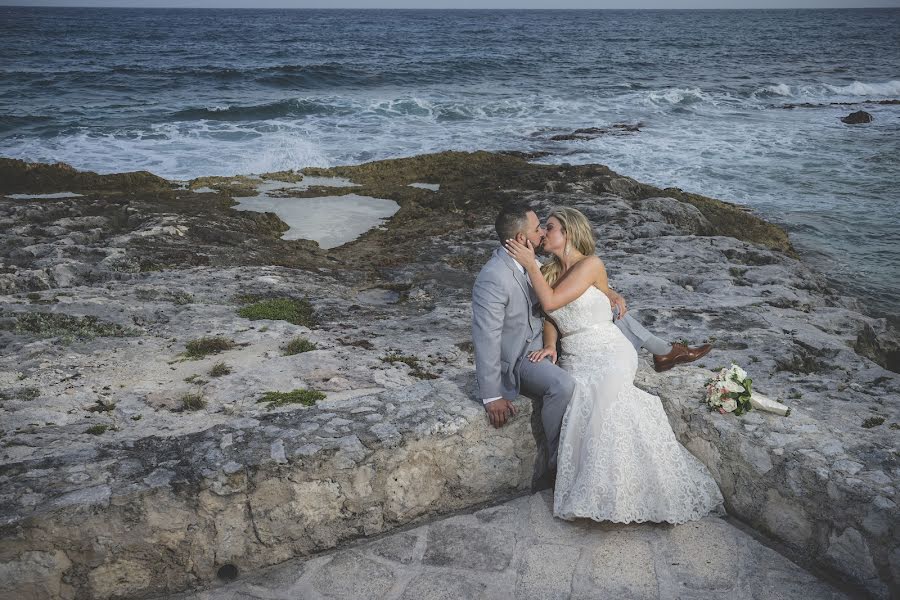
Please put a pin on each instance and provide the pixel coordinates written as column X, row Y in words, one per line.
column 636, row 333
column 552, row 387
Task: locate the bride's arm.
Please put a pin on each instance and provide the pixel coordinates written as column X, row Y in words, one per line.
column 590, row 271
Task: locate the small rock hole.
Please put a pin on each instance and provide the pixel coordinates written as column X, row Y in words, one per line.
column 227, row 573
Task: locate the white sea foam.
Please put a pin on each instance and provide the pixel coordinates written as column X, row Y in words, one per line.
column 180, row 150
column 779, row 89
column 678, row 95
column 889, row 89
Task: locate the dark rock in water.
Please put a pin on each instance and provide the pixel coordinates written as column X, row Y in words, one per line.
column 890, row 102
column 857, row 117
column 590, row 133
column 525, row 155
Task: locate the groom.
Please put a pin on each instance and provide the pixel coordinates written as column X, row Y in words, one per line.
column 507, row 326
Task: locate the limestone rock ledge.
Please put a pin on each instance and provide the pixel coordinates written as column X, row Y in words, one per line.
column 102, row 293
column 156, row 515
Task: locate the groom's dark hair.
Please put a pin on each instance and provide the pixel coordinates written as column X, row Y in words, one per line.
column 511, row 220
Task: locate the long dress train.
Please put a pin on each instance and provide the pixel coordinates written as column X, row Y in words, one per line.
column 618, row 457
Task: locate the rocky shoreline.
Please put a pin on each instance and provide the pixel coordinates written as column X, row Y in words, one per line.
column 132, row 464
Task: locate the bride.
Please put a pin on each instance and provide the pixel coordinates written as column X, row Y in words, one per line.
column 618, row 457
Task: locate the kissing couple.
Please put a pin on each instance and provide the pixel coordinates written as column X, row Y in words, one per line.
column 610, row 444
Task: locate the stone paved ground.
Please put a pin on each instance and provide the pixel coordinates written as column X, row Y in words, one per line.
column 518, row 550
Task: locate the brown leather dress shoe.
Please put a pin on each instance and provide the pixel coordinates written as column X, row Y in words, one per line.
column 678, row 355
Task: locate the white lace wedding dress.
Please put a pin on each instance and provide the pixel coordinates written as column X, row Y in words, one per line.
column 618, row 457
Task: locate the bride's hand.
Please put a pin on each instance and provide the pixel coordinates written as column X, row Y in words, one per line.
column 524, row 254
column 539, row 355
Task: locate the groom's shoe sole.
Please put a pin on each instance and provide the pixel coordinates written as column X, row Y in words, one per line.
column 679, row 354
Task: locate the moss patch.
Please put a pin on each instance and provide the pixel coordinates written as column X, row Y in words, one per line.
column 729, row 219
column 20, row 176
column 219, row 369
column 240, row 185
column 101, row 406
column 25, row 394
column 474, row 185
column 299, row 396
column 97, row 429
column 297, row 346
column 412, row 362
column 181, row 298
column 286, row 176
column 205, row 346
column 292, row 310
column 192, row 402
column 872, row 422
column 62, row 325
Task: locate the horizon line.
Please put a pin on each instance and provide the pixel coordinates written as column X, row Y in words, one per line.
column 427, row 8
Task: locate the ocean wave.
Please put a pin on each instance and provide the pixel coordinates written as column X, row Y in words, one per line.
column 676, row 96
column 825, row 92
column 859, row 88
column 293, row 108
column 177, row 150
column 779, row 89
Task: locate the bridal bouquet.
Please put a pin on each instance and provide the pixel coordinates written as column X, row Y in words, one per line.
column 731, row 391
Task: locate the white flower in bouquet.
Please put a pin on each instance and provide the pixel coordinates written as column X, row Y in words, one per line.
column 729, row 405
column 733, row 386
column 737, row 372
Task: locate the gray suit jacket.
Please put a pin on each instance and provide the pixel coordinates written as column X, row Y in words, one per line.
column 506, row 322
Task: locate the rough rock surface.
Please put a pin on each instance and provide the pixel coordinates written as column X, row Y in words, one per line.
column 104, row 292
column 590, row 133
column 855, row 118
column 518, row 550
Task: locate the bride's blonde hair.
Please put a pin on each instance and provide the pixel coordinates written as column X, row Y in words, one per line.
column 579, row 234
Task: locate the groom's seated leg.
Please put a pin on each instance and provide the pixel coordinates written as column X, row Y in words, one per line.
column 551, row 385
column 665, row 355
column 640, row 337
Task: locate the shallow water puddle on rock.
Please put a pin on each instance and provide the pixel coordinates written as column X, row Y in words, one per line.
column 426, row 186
column 43, row 196
column 378, row 296
column 329, row 220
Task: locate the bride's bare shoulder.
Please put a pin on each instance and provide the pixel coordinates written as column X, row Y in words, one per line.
column 597, row 270
column 593, row 264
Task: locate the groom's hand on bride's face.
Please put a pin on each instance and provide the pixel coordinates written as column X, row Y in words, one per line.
column 499, row 411
column 523, row 253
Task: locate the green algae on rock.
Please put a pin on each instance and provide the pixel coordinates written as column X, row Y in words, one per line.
column 203, row 347
column 62, row 325
column 474, row 185
column 304, row 397
column 237, row 185
column 292, row 310
column 298, row 345
column 285, row 176
column 20, row 176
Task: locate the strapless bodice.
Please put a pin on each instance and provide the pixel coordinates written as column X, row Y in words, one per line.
column 587, row 331
column 591, row 309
